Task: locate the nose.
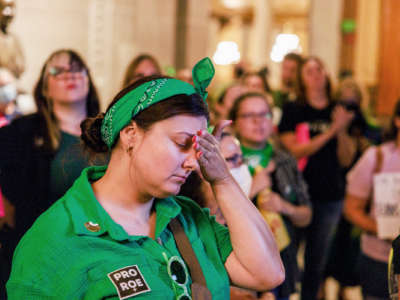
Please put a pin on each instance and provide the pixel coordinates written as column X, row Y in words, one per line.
column 190, row 163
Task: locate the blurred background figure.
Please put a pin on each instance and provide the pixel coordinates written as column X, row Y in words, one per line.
column 220, row 109
column 185, row 75
column 256, row 81
column 141, row 66
column 41, row 153
column 327, row 152
column 288, row 87
column 345, row 247
column 13, row 103
column 8, row 95
column 200, row 191
column 11, row 55
column 360, row 209
column 394, row 270
column 278, row 187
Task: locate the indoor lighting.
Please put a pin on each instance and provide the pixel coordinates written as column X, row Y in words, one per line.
column 227, row 53
column 284, row 43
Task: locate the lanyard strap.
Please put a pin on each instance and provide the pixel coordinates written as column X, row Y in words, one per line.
column 199, row 285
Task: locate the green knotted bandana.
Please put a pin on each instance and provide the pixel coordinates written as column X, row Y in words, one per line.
column 149, row 93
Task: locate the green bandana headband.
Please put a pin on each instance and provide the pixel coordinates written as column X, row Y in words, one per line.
column 149, row 93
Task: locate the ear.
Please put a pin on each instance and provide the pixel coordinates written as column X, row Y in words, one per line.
column 129, row 136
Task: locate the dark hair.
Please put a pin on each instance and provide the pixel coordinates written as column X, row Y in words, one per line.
column 293, row 56
column 302, row 96
column 233, row 113
column 221, row 97
column 51, row 130
column 262, row 74
column 131, row 69
column 176, row 105
column 391, row 133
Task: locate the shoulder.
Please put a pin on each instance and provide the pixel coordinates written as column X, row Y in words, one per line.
column 282, row 156
column 366, row 163
column 27, row 119
column 292, row 107
column 24, row 123
column 293, row 112
column 193, row 211
column 50, row 231
column 187, row 205
column 387, row 147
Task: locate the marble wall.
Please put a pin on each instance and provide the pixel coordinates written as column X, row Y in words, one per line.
column 108, row 34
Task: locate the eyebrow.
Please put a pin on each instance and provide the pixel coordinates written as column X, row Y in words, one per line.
column 187, row 133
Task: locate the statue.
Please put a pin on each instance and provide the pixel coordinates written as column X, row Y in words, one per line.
column 11, row 56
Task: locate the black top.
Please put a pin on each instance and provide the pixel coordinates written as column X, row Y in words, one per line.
column 322, row 172
column 25, row 168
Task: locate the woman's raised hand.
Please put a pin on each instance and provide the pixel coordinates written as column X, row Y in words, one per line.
column 212, row 164
column 341, row 118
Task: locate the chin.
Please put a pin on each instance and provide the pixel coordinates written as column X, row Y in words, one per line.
column 171, row 191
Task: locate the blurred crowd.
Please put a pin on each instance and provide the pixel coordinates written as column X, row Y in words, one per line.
column 305, row 154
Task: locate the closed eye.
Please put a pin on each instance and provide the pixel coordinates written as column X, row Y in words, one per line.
column 185, row 146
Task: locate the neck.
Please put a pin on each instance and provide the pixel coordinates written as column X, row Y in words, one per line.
column 317, row 98
column 70, row 116
column 254, row 145
column 287, row 89
column 127, row 197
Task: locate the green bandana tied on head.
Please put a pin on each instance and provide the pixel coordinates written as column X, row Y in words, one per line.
column 149, row 93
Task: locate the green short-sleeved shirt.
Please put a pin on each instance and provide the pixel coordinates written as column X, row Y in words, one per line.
column 64, row 257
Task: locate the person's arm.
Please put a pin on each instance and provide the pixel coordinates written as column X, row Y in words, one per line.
column 340, row 120
column 255, row 261
column 346, row 145
column 355, row 210
column 9, row 214
column 300, row 150
column 299, row 215
column 346, row 149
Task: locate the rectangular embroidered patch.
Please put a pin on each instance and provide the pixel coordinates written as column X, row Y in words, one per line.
column 129, row 282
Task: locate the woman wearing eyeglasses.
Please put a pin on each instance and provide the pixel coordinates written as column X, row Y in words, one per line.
column 277, row 186
column 117, row 231
column 40, row 154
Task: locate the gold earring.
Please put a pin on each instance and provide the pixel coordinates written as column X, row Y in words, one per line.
column 129, row 149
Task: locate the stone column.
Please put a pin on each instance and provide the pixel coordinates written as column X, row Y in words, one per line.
column 325, row 19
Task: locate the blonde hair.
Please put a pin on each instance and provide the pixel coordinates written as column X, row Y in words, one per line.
column 349, row 83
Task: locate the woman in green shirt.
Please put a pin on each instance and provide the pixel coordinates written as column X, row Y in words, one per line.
column 278, row 187
column 110, row 235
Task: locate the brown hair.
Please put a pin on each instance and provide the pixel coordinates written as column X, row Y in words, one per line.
column 130, row 71
column 51, row 130
column 262, row 75
column 233, row 113
column 302, row 96
column 349, row 83
column 391, row 133
column 293, row 56
column 176, row 105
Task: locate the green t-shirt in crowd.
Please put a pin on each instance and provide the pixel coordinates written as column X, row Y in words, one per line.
column 257, row 157
column 76, row 251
